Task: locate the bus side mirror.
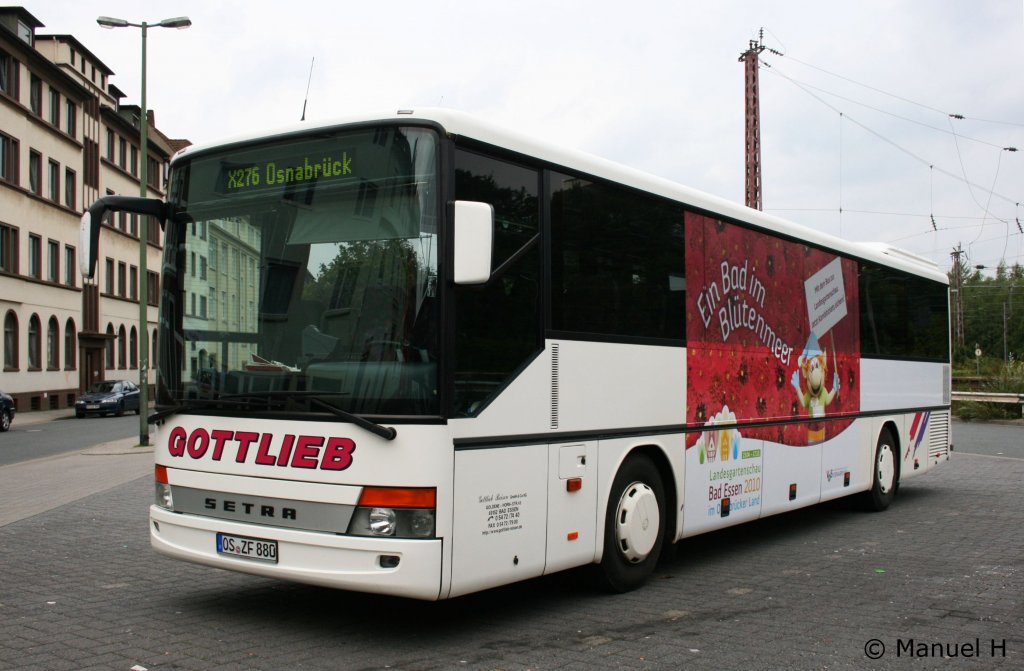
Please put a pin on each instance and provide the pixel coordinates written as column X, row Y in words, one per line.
column 474, row 241
column 89, row 234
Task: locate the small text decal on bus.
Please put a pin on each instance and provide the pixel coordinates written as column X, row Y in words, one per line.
column 326, row 453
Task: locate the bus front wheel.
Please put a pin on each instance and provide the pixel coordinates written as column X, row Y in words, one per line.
column 634, row 529
column 885, row 473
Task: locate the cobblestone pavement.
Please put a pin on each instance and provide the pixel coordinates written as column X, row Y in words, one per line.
column 815, row 589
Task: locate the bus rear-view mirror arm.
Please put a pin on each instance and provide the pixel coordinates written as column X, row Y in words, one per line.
column 89, row 235
column 474, row 241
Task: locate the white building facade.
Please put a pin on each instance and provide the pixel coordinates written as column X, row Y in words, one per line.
column 65, row 140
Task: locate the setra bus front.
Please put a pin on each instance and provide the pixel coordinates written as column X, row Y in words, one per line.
column 299, row 381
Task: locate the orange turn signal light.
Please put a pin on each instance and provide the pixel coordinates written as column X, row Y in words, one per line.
column 399, row 497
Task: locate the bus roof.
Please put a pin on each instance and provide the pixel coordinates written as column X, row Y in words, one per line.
column 460, row 124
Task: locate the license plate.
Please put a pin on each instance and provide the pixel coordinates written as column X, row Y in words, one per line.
column 257, row 549
column 92, row 407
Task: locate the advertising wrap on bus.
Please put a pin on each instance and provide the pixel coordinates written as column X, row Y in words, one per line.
column 773, row 337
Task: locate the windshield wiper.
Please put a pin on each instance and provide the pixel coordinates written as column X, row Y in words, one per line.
column 314, row 398
column 245, row 401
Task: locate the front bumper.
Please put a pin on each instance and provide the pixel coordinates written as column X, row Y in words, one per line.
column 328, row 560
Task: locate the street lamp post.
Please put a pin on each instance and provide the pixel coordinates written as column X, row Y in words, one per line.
column 180, row 23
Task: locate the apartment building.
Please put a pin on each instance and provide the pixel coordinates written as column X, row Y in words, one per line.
column 66, row 138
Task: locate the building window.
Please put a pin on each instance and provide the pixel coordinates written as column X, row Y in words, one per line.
column 25, row 33
column 133, row 283
column 34, row 342
column 152, row 288
column 122, row 347
column 91, row 164
column 202, row 307
column 70, row 345
column 109, row 275
column 52, row 350
column 121, row 279
column 53, row 260
column 35, row 95
column 153, row 173
column 110, row 347
column 9, row 71
column 71, row 124
column 35, row 172
column 69, row 266
column 70, row 188
column 55, row 107
column 35, row 256
column 8, row 249
column 202, row 268
column 135, row 160
column 122, row 152
column 10, row 341
column 110, row 145
column 133, row 348
column 8, row 159
column 53, row 173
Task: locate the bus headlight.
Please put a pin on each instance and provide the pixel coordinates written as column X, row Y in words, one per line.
column 395, row 512
column 164, row 498
column 422, row 523
column 382, row 521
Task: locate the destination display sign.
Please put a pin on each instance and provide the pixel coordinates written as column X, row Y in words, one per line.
column 288, row 171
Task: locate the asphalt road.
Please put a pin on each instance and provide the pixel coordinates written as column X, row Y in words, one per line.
column 27, row 439
column 941, row 573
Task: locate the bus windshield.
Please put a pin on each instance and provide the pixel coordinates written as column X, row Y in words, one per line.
column 300, row 275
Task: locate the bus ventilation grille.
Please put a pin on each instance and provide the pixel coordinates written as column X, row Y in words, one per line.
column 938, row 435
column 554, row 385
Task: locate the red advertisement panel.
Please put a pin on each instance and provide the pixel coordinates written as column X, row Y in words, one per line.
column 772, row 334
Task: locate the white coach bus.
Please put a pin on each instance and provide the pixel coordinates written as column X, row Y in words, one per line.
column 415, row 354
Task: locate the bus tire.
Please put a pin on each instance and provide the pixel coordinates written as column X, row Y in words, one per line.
column 634, row 529
column 885, row 473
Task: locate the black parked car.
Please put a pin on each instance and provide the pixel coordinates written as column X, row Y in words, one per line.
column 108, row 397
column 6, row 411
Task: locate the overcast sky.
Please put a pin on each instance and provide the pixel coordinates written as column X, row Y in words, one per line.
column 856, row 135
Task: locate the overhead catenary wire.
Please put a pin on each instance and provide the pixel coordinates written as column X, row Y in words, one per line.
column 892, row 143
column 901, row 98
column 938, row 222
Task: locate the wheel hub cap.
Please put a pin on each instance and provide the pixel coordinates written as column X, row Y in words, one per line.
column 636, row 522
column 886, row 468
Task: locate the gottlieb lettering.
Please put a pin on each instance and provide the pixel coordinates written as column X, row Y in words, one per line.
column 263, row 449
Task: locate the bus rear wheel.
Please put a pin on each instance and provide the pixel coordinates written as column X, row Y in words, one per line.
column 885, row 473
column 634, row 529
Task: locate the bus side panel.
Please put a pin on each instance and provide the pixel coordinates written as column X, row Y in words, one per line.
column 500, row 509
column 792, row 476
column 724, row 476
column 846, row 461
column 889, row 384
column 573, row 534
